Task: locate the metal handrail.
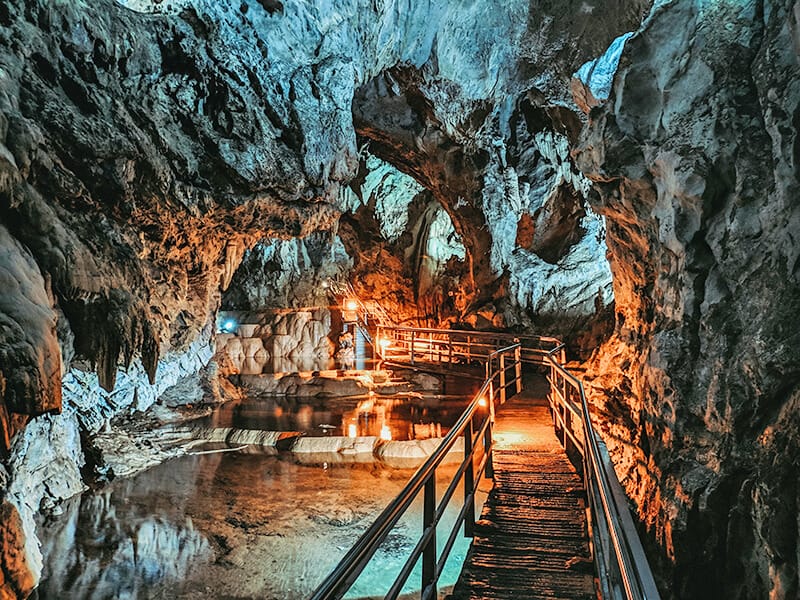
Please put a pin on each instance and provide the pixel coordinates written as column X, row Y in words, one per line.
column 608, row 504
column 622, row 565
column 448, row 344
column 350, row 567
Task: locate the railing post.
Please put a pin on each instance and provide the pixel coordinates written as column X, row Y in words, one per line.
column 502, row 378
column 469, row 349
column 518, row 367
column 429, row 553
column 567, row 428
column 487, row 436
column 469, row 483
column 413, row 336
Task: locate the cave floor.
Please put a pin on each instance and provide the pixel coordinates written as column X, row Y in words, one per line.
column 531, row 540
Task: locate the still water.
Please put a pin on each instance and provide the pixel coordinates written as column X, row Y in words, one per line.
column 242, row 525
column 404, row 417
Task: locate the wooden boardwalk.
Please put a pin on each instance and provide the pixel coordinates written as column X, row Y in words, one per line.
column 531, row 540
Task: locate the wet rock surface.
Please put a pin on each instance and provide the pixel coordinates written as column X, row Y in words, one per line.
column 146, row 149
column 695, row 157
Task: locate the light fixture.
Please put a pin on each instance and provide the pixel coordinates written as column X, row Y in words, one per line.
column 482, row 402
column 229, row 326
column 351, row 305
column 384, row 344
column 352, row 431
column 386, row 433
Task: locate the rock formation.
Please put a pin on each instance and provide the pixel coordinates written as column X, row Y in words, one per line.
column 695, row 157
column 147, row 147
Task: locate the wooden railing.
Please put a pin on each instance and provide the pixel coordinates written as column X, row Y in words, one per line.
column 475, row 426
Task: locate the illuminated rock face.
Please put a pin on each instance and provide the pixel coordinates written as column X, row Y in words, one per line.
column 142, row 155
column 16, row 574
column 696, row 159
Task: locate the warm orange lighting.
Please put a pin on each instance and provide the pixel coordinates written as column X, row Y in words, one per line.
column 482, row 402
column 352, row 431
column 351, row 305
column 384, row 344
column 386, row 433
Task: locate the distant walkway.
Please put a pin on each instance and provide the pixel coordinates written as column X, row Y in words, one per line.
column 531, row 540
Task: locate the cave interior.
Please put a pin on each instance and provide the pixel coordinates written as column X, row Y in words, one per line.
column 190, row 190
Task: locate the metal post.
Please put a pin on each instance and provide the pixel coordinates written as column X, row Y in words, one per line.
column 469, row 349
column 469, row 483
column 502, row 378
column 518, row 367
column 429, row 552
column 487, row 436
column 413, row 335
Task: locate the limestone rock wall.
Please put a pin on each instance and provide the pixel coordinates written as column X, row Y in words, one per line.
column 695, row 155
column 285, row 341
column 145, row 148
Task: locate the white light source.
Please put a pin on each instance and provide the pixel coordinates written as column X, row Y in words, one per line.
column 385, row 343
column 482, row 402
column 352, row 431
column 351, row 305
column 386, row 433
column 229, row 326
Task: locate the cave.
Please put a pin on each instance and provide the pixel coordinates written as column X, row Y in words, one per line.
column 192, row 191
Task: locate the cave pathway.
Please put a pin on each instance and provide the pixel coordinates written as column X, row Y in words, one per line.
column 531, row 540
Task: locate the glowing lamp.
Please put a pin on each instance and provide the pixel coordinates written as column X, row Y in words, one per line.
column 351, row 430
column 386, row 433
column 384, row 344
column 229, row 326
column 482, row 402
column 351, row 305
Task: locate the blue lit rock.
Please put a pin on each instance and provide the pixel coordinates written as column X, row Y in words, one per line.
column 591, row 84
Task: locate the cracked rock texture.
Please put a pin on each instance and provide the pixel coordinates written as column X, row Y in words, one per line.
column 142, row 154
column 696, row 157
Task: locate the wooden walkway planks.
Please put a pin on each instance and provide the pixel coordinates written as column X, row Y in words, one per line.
column 531, row 540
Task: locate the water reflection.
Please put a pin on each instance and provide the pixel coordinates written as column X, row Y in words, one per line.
column 245, row 525
column 403, row 417
column 223, row 525
column 122, row 542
